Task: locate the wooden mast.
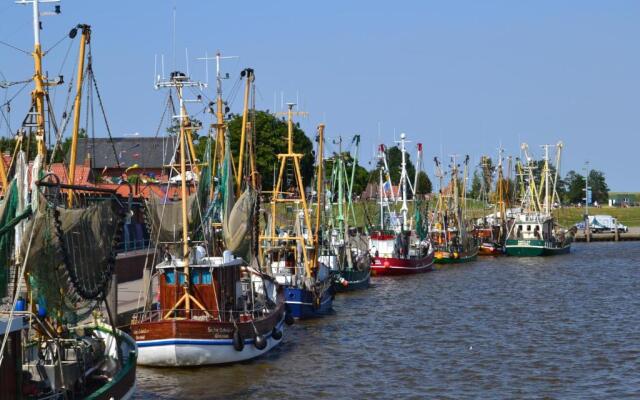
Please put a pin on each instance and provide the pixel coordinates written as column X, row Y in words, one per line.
column 295, row 158
column 248, row 73
column 319, row 191
column 183, row 190
column 86, row 36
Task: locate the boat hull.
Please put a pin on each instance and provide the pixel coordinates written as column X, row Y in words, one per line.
column 389, row 266
column 189, row 342
column 350, row 280
column 123, row 384
column 534, row 248
column 490, row 249
column 177, row 352
column 302, row 304
column 449, row 259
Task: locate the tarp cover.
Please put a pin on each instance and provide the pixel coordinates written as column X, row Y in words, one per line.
column 165, row 218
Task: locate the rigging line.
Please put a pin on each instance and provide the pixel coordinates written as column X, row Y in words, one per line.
column 15, row 48
column 64, row 62
column 55, row 44
column 16, row 93
column 104, row 115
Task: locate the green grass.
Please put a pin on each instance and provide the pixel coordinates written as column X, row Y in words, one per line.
column 571, row 215
column 566, row 216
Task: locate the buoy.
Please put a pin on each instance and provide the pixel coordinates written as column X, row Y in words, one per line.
column 288, row 318
column 276, row 333
column 386, row 264
column 260, row 342
column 238, row 341
column 345, row 283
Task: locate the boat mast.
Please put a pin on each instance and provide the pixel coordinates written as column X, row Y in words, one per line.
column 547, row 205
column 179, row 81
column 319, row 186
column 248, row 73
column 340, row 170
column 86, row 36
column 403, row 181
column 38, row 93
column 356, row 140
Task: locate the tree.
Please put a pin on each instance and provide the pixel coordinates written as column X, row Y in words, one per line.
column 476, row 186
column 599, row 188
column 424, row 184
column 575, row 183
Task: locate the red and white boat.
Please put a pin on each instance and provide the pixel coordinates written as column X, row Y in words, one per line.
column 392, row 257
column 399, row 249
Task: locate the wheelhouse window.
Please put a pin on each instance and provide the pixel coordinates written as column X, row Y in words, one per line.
column 206, row 277
column 170, row 277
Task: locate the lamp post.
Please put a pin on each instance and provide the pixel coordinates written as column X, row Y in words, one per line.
column 587, row 231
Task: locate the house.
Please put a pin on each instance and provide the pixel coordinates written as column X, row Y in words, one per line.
column 110, row 159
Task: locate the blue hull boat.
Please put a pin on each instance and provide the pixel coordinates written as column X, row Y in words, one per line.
column 303, row 303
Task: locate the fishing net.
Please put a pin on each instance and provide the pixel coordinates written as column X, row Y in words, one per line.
column 71, row 255
column 237, row 226
column 164, row 218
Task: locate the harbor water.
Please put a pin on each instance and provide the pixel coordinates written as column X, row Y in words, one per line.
column 557, row 327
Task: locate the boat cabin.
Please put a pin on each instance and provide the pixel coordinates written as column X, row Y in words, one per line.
column 214, row 283
column 532, row 227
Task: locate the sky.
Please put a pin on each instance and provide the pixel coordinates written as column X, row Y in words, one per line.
column 461, row 77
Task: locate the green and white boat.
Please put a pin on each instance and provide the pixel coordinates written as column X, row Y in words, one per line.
column 533, row 230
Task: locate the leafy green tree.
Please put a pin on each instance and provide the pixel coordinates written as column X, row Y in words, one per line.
column 575, row 183
column 476, row 186
column 599, row 187
column 424, row 184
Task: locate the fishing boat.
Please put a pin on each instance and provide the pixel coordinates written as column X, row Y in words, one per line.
column 450, row 231
column 57, row 246
column 491, row 230
column 347, row 252
column 396, row 248
column 214, row 305
column 290, row 247
column 534, row 231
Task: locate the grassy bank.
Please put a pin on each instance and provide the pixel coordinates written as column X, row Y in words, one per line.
column 626, row 216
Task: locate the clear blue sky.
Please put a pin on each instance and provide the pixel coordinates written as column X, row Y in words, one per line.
column 459, row 76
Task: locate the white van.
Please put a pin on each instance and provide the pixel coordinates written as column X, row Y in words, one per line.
column 606, row 223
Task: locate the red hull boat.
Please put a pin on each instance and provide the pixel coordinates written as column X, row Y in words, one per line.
column 389, row 266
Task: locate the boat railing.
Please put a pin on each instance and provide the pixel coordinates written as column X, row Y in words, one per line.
column 200, row 315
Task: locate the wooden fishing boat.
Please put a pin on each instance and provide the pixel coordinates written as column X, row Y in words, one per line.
column 534, row 231
column 291, row 251
column 214, row 306
column 453, row 238
column 399, row 250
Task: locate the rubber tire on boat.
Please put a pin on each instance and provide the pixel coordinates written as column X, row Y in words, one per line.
column 276, row 334
column 288, row 318
column 238, row 340
column 260, row 342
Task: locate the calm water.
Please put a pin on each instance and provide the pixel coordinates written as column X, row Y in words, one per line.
column 558, row 327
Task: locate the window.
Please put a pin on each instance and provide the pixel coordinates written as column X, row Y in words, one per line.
column 528, row 228
column 181, row 277
column 169, row 277
column 195, row 277
column 206, row 277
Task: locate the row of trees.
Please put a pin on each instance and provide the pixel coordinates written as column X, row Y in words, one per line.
column 271, row 138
